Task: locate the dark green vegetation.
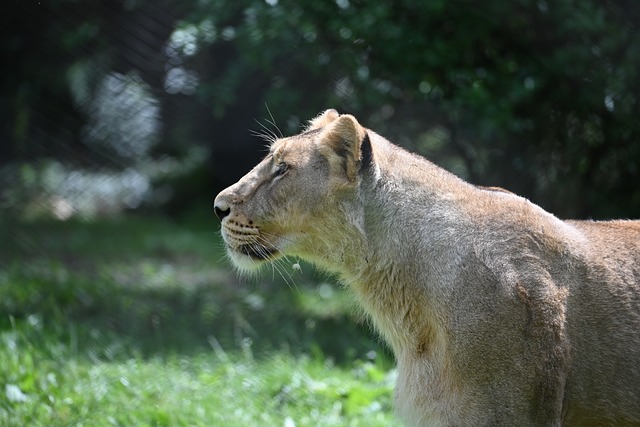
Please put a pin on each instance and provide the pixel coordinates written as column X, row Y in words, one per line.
column 536, row 96
column 138, row 322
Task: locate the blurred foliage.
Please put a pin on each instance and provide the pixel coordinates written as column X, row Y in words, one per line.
column 134, row 321
column 538, row 97
column 160, row 287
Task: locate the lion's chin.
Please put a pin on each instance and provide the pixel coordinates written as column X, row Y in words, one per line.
column 243, row 262
column 247, row 259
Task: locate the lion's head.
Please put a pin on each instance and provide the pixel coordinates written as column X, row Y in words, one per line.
column 296, row 196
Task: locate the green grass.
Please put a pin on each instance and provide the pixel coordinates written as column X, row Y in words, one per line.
column 139, row 322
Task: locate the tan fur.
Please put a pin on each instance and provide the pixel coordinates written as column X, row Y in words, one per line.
column 498, row 313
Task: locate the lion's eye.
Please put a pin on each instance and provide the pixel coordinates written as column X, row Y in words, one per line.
column 281, row 168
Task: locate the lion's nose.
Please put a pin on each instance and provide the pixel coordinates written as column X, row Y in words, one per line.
column 221, row 208
column 221, row 213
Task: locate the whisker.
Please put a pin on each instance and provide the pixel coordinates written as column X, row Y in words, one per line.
column 265, row 132
column 284, row 263
column 263, row 240
column 266, row 128
column 277, row 264
column 260, row 134
column 269, row 139
column 265, row 236
column 282, row 270
column 273, row 121
column 269, row 134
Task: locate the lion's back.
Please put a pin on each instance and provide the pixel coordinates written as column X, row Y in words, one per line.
column 604, row 322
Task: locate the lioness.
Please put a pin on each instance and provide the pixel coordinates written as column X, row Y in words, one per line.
column 498, row 313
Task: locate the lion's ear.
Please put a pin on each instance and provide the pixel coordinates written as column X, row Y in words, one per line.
column 340, row 143
column 323, row 119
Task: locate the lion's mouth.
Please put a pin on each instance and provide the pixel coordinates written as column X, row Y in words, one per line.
column 257, row 251
column 248, row 241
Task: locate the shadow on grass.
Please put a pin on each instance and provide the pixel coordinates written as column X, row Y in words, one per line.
column 152, row 287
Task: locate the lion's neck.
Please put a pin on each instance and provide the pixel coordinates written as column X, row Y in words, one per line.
column 410, row 210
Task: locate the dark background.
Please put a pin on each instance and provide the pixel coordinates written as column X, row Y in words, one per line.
column 110, row 106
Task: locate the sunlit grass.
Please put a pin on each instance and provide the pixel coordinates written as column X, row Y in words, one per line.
column 58, row 387
column 137, row 322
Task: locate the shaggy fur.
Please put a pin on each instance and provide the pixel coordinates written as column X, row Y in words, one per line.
column 498, row 313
